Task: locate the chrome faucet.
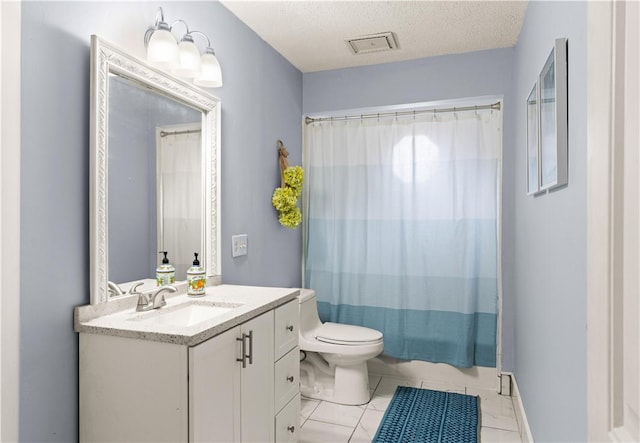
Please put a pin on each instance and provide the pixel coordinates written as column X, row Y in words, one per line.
column 146, row 303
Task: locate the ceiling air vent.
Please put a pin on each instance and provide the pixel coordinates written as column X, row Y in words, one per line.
column 385, row 41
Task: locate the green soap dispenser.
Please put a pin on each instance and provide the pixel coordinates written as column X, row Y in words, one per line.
column 165, row 273
column 196, row 278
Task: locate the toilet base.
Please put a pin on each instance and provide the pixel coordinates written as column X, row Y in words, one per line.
column 346, row 385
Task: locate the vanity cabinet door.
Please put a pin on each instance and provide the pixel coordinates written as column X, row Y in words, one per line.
column 132, row 390
column 256, row 380
column 214, row 389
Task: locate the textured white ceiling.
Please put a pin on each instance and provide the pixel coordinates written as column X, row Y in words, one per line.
column 311, row 34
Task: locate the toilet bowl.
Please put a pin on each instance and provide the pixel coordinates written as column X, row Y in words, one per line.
column 334, row 365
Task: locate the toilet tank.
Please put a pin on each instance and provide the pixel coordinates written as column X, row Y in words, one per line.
column 309, row 319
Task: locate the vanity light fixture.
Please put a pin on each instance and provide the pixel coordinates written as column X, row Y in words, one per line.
column 162, row 50
column 210, row 75
column 188, row 63
column 182, row 59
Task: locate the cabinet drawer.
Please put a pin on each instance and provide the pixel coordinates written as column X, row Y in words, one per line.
column 287, row 382
column 286, row 328
column 288, row 422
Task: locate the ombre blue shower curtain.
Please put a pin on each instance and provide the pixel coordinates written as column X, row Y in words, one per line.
column 401, row 230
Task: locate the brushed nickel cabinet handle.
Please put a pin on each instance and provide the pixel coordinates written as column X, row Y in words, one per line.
column 291, row 429
column 290, row 328
column 244, row 348
column 290, row 378
column 250, row 356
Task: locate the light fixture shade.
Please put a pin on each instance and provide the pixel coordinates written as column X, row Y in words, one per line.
column 188, row 59
column 162, row 50
column 210, row 72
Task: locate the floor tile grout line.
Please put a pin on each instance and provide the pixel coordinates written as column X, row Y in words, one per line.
column 355, row 428
column 367, row 408
column 314, row 409
column 328, row 423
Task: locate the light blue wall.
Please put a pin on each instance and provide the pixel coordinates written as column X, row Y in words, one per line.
column 261, row 102
column 473, row 74
column 422, row 80
column 550, row 241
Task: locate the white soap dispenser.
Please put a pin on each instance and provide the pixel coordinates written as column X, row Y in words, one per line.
column 165, row 273
column 196, row 279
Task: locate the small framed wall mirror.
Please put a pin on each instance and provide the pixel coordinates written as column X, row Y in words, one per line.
column 533, row 176
column 553, row 118
column 155, row 153
column 547, row 132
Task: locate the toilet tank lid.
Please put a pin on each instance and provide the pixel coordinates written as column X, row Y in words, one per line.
column 347, row 334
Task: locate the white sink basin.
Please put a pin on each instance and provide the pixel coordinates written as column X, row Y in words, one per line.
column 187, row 314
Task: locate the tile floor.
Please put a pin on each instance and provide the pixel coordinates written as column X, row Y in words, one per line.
column 324, row 422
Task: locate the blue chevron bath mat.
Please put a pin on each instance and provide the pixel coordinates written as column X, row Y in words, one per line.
column 423, row 415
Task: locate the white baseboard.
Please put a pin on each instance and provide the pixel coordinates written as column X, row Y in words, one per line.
column 521, row 416
column 476, row 376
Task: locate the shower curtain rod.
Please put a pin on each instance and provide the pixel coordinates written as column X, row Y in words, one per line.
column 494, row 106
column 187, row 131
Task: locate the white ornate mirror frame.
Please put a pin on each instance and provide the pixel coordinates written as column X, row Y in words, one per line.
column 107, row 58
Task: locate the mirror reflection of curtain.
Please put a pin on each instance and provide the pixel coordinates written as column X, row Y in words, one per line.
column 180, row 208
column 401, row 231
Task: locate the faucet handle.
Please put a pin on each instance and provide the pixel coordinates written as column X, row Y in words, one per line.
column 114, row 289
column 133, row 289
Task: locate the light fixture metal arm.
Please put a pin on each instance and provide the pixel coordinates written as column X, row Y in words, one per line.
column 186, row 26
column 161, row 18
column 159, row 24
column 205, row 36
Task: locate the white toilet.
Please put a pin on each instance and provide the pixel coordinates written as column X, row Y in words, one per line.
column 334, row 367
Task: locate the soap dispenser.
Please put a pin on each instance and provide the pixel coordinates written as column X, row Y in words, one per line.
column 166, row 273
column 196, row 279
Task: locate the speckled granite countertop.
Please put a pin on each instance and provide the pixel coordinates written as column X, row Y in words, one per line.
column 119, row 317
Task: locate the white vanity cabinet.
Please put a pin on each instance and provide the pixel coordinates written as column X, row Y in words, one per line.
column 148, row 391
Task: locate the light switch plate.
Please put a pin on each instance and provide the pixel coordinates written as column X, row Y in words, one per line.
column 239, row 245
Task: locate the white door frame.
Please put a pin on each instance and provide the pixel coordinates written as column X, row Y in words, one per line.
column 612, row 221
column 10, row 48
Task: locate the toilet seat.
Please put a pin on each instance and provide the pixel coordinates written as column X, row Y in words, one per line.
column 349, row 335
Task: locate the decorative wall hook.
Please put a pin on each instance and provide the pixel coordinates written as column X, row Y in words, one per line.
column 285, row 198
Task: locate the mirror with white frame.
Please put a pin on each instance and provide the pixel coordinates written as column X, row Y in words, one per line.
column 154, row 172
